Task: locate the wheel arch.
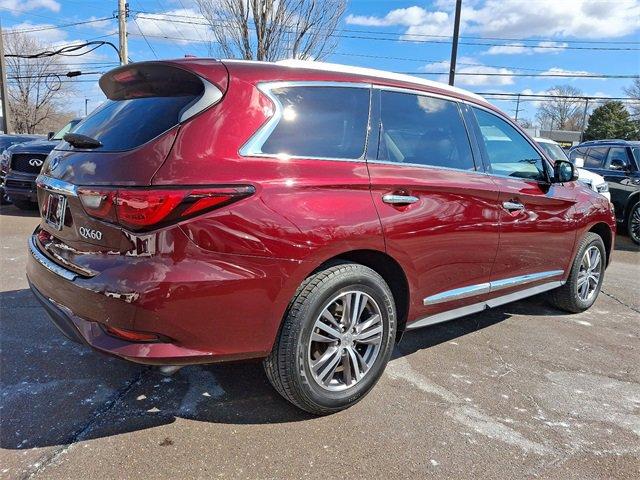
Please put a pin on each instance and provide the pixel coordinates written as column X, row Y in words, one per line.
column 389, row 269
column 604, row 231
column 631, row 201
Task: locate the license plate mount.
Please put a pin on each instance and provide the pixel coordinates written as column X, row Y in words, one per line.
column 55, row 210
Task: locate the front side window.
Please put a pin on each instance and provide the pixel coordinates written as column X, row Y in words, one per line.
column 423, row 130
column 507, row 151
column 577, row 155
column 318, row 121
column 617, row 159
column 595, row 157
column 553, row 151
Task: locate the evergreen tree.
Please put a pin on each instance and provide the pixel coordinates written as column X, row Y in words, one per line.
column 611, row 120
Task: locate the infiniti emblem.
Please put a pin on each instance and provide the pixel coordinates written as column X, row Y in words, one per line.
column 54, row 163
column 35, row 162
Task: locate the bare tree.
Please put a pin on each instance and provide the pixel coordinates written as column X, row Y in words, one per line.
column 273, row 29
column 634, row 92
column 35, row 96
column 563, row 112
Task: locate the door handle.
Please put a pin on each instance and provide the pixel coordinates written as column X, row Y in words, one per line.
column 512, row 206
column 393, row 199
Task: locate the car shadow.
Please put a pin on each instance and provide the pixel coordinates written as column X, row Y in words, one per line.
column 625, row 244
column 13, row 211
column 55, row 392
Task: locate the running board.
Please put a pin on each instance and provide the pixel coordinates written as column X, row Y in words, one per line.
column 480, row 306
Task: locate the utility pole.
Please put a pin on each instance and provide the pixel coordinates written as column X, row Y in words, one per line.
column 123, row 14
column 86, row 101
column 584, row 118
column 517, row 107
column 6, row 124
column 454, row 45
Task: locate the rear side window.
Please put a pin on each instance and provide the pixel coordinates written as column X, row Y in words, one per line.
column 318, row 121
column 595, row 157
column 508, row 152
column 423, row 130
column 144, row 101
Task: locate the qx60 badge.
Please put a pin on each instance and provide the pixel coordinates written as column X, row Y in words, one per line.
column 90, row 233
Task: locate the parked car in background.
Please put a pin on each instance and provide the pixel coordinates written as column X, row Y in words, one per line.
column 302, row 213
column 24, row 162
column 555, row 152
column 618, row 161
column 7, row 140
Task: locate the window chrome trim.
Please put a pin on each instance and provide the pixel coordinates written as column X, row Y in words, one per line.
column 253, row 146
column 55, row 185
column 489, row 287
column 48, row 264
column 209, row 97
column 480, row 306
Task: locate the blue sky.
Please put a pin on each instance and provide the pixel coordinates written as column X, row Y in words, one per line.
column 548, row 36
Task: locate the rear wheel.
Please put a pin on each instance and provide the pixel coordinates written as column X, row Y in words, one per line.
column 335, row 341
column 25, row 204
column 585, row 280
column 633, row 223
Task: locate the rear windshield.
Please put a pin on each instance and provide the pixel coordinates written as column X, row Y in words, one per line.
column 144, row 100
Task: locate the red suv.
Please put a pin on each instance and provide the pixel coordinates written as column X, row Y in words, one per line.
column 302, row 213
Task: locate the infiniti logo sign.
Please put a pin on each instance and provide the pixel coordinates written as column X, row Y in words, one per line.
column 35, row 162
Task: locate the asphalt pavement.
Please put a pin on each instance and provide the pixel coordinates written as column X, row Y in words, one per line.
column 517, row 392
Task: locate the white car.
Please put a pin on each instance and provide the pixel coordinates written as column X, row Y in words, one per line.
column 555, row 152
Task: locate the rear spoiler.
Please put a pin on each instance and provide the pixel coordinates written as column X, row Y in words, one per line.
column 162, row 79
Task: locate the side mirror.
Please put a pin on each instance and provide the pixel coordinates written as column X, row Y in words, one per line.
column 579, row 162
column 617, row 164
column 564, row 171
column 50, row 135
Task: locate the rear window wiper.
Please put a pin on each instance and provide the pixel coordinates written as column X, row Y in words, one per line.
column 81, row 141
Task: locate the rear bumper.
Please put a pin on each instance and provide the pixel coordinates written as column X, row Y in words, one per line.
column 21, row 186
column 92, row 334
column 213, row 308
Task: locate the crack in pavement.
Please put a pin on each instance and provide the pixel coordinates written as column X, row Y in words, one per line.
column 47, row 460
column 620, row 301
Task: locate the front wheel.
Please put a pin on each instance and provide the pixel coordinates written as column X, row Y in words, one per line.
column 585, row 280
column 633, row 223
column 335, row 340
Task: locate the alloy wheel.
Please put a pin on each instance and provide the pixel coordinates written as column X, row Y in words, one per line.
column 634, row 224
column 589, row 274
column 345, row 340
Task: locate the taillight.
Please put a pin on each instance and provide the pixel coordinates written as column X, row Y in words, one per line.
column 131, row 335
column 144, row 209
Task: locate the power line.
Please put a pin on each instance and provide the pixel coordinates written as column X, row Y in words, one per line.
column 447, row 37
column 360, row 37
column 67, row 50
column 545, row 75
column 53, row 27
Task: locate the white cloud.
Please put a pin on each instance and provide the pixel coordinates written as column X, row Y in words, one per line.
column 499, row 18
column 561, row 71
column 519, row 48
column 18, row 6
column 483, row 74
column 163, row 24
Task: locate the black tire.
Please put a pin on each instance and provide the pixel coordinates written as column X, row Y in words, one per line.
column 4, row 200
column 566, row 297
column 633, row 223
column 287, row 367
column 25, row 204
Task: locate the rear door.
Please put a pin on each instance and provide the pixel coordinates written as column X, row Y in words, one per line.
column 537, row 232
column 438, row 211
column 616, row 170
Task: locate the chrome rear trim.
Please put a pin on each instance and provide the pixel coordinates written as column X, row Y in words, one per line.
column 48, row 264
column 480, row 306
column 56, row 186
column 482, row 288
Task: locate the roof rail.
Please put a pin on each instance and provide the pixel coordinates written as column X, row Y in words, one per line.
column 372, row 72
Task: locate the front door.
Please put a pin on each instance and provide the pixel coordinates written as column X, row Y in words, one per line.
column 537, row 230
column 438, row 212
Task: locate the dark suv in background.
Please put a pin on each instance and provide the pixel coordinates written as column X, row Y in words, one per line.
column 23, row 164
column 7, row 141
column 618, row 161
